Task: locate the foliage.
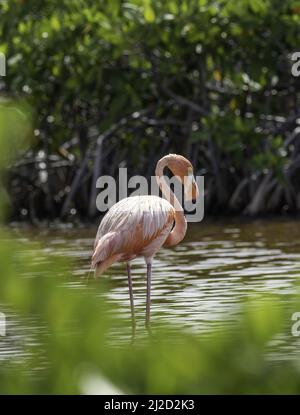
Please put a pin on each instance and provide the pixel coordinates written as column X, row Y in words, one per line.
column 208, row 79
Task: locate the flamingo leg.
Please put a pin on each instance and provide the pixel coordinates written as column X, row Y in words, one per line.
column 148, row 304
column 131, row 296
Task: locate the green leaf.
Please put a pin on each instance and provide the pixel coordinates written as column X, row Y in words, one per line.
column 55, row 24
column 149, row 14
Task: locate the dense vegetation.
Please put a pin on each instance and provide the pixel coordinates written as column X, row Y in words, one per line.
column 120, row 83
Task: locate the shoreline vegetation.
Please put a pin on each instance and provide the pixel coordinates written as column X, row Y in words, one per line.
column 121, row 84
column 79, row 223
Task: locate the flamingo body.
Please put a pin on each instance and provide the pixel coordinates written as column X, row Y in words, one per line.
column 135, row 226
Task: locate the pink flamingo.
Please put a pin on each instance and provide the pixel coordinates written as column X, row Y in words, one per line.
column 140, row 225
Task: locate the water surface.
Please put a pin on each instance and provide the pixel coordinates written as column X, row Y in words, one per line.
column 197, row 285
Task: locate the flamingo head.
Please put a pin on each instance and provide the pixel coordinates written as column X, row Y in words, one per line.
column 183, row 169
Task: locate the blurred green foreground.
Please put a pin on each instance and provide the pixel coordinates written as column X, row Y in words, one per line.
column 72, row 349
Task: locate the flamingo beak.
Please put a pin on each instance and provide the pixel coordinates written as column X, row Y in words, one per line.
column 191, row 191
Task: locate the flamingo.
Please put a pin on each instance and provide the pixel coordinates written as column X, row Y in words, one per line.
column 141, row 225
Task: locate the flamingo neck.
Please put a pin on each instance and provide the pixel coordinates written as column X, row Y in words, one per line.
column 179, row 230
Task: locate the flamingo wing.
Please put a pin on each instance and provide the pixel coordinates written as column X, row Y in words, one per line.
column 130, row 227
